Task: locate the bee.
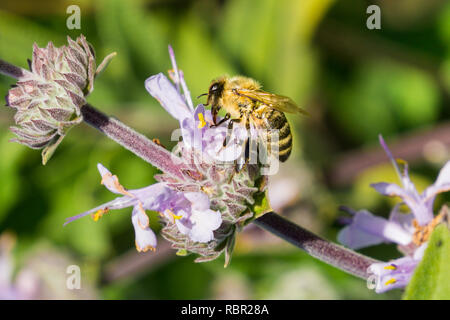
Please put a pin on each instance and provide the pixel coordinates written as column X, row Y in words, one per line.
column 246, row 104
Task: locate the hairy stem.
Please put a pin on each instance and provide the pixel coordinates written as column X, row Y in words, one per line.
column 11, row 70
column 328, row 252
column 134, row 141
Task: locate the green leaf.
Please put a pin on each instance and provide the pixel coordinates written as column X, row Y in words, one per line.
column 182, row 252
column 50, row 149
column 431, row 280
column 261, row 205
column 231, row 241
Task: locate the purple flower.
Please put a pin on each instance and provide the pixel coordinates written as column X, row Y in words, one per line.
column 366, row 230
column 203, row 207
column 195, row 124
column 396, row 273
column 189, row 211
column 409, row 231
column 421, row 205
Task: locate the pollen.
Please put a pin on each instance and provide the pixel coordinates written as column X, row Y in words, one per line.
column 390, row 281
column 422, row 233
column 207, row 190
column 391, row 267
column 173, row 215
column 172, row 74
column 97, row 215
column 202, row 121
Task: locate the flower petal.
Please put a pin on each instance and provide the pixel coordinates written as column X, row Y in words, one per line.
column 111, row 182
column 199, row 200
column 205, row 222
column 184, row 224
column 402, row 219
column 192, row 135
column 118, row 203
column 367, row 229
column 156, row 197
column 208, row 218
column 145, row 237
column 393, row 274
column 422, row 210
column 442, row 183
column 178, row 78
column 390, row 189
column 163, row 90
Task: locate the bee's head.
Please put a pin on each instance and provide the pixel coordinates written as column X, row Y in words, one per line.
column 215, row 91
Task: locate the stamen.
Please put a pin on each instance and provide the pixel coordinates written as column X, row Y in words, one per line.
column 202, row 121
column 423, row 233
column 173, row 215
column 390, row 281
column 207, row 190
column 147, row 220
column 147, row 248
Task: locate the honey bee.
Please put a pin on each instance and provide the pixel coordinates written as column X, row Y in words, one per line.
column 245, row 103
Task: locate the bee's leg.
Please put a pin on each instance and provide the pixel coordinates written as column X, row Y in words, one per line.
column 226, row 118
column 239, row 166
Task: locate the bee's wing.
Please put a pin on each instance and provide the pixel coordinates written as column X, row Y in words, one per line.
column 271, row 100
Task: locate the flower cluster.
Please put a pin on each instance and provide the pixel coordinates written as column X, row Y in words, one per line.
column 49, row 98
column 202, row 210
column 409, row 231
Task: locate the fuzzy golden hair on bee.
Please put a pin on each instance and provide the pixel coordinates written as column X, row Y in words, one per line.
column 245, row 103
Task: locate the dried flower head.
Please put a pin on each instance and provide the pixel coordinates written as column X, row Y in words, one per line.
column 49, row 98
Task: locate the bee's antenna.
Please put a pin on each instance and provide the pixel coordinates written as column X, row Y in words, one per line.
column 203, row 94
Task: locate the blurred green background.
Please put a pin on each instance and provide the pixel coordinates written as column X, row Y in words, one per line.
column 355, row 82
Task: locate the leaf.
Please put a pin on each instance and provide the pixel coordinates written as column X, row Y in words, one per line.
column 431, row 280
column 48, row 151
column 182, row 252
column 105, row 63
column 261, row 205
column 231, row 241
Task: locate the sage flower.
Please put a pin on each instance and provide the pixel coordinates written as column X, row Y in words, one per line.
column 195, row 123
column 409, row 231
column 365, row 229
column 202, row 209
column 421, row 205
column 190, row 211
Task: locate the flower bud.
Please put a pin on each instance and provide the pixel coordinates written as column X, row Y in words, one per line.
column 231, row 193
column 49, row 98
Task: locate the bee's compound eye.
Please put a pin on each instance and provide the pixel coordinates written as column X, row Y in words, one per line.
column 214, row 88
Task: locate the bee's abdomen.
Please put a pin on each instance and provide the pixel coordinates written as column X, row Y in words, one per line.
column 279, row 124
